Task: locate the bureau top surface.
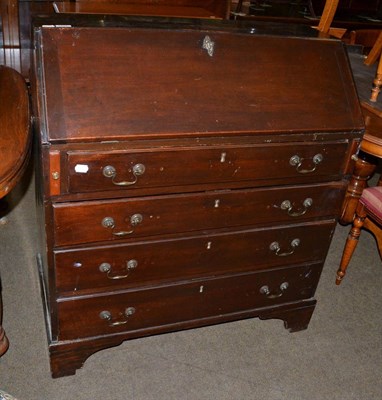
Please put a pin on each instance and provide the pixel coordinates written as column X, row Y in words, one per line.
column 96, row 84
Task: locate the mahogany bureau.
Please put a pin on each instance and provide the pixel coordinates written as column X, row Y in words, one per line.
column 189, row 175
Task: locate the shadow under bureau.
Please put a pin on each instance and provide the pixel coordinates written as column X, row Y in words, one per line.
column 188, row 175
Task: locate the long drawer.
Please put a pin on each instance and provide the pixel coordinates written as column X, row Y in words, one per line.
column 86, row 222
column 151, row 262
column 165, row 167
column 166, row 305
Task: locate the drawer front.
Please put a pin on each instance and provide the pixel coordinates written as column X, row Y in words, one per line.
column 145, row 309
column 100, row 171
column 87, row 222
column 150, row 262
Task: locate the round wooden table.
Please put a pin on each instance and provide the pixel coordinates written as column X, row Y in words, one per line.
column 15, row 142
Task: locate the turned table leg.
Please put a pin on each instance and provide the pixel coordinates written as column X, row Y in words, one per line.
column 364, row 169
column 3, row 339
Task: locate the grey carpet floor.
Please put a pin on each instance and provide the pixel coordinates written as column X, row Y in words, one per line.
column 339, row 357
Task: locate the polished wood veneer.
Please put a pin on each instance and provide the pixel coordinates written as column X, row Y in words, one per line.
column 96, row 269
column 176, row 192
column 181, row 303
column 83, row 222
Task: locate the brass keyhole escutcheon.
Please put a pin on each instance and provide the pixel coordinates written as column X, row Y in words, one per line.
column 136, row 219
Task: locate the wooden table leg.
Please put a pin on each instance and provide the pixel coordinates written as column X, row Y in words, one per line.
column 3, row 339
column 364, row 169
column 3, row 211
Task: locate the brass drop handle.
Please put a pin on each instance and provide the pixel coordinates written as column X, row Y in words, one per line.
column 107, row 269
column 266, row 291
column 108, row 222
column 106, row 315
column 287, row 206
column 275, row 247
column 110, row 172
column 297, row 161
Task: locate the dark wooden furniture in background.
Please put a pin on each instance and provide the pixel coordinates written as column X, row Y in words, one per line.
column 322, row 24
column 350, row 15
column 15, row 141
column 173, row 195
column 363, row 37
column 165, row 8
column 353, row 8
column 10, row 54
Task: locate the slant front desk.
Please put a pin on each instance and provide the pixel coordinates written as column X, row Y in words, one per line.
column 188, row 176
